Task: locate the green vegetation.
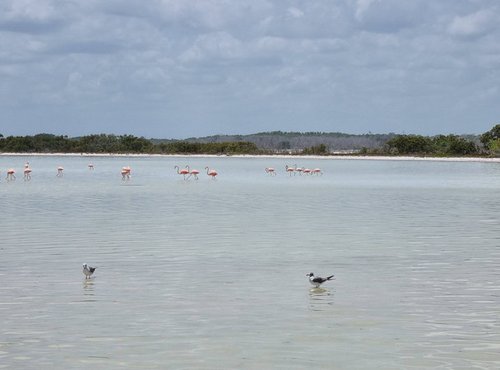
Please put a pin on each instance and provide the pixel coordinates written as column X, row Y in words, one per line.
column 47, row 143
column 112, row 144
column 42, row 143
column 409, row 144
column 441, row 145
column 491, row 140
column 309, row 143
column 320, row 149
column 185, row 147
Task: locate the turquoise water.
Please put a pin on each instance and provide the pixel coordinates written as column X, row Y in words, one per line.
column 211, row 274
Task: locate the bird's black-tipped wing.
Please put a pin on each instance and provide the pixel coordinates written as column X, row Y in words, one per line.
column 321, row 280
column 318, row 280
column 92, row 269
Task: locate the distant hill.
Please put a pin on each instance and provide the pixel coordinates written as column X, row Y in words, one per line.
column 279, row 140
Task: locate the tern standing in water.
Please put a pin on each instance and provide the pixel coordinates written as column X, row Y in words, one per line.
column 317, row 280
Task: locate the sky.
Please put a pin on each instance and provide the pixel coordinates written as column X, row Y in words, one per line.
column 191, row 68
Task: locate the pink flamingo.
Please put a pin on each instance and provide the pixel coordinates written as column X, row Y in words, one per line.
column 270, row 171
column 306, row 171
column 299, row 169
column 290, row 170
column 212, row 172
column 126, row 172
column 27, row 173
column 60, row 171
column 11, row 174
column 316, row 171
column 192, row 173
column 182, row 172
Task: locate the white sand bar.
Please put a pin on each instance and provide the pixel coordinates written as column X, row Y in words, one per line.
column 284, row 156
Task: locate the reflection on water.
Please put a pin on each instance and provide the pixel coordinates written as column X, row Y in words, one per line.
column 320, row 299
column 88, row 288
column 210, row 274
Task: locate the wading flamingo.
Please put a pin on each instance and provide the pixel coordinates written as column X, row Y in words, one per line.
column 60, row 171
column 211, row 173
column 182, row 172
column 27, row 173
column 270, row 171
column 306, row 171
column 290, row 170
column 126, row 172
column 316, row 171
column 11, row 174
column 193, row 173
column 299, row 169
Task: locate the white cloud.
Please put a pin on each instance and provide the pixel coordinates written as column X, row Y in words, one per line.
column 214, row 46
column 32, row 16
column 31, row 9
column 362, row 7
column 475, row 24
column 295, row 12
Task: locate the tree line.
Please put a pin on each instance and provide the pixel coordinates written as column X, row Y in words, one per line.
column 121, row 144
column 442, row 145
column 312, row 143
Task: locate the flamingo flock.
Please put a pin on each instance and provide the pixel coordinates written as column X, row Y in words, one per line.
column 303, row 170
column 186, row 172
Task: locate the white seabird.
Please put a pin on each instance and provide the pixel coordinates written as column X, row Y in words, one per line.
column 316, row 280
column 88, row 271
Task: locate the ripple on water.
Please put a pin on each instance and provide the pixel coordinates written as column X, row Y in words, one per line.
column 210, row 274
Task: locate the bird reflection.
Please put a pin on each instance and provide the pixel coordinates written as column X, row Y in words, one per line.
column 88, row 288
column 318, row 291
column 320, row 299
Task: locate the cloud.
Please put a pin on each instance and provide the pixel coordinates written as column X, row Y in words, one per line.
column 86, row 47
column 31, row 26
column 213, row 46
column 352, row 65
column 30, row 16
column 475, row 24
column 389, row 16
column 316, row 19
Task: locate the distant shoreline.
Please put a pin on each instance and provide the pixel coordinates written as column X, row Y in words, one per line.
column 273, row 156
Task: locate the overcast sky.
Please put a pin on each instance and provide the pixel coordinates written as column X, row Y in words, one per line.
column 182, row 68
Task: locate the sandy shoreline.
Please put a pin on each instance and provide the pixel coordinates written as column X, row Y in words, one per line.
column 275, row 156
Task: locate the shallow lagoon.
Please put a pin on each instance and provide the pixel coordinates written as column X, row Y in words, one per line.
column 211, row 274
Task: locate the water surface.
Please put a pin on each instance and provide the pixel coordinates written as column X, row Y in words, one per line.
column 211, row 274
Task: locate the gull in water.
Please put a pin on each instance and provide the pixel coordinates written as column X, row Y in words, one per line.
column 316, row 280
column 88, row 271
